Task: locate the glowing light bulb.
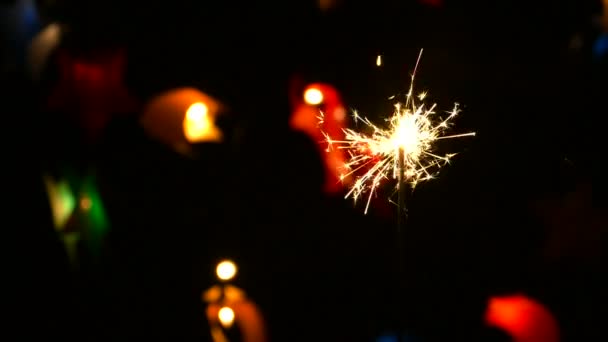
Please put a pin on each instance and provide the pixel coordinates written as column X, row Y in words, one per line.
column 313, row 96
column 226, row 270
column 226, row 316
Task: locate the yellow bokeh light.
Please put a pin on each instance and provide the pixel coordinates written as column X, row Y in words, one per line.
column 226, row 316
column 197, row 123
column 226, row 270
column 379, row 60
column 313, row 96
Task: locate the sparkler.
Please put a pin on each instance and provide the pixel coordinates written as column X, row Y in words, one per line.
column 404, row 151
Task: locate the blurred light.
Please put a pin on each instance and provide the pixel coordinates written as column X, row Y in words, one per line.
column 197, row 122
column 181, row 117
column 340, row 114
column 313, row 96
column 523, row 318
column 29, row 14
column 379, row 60
column 86, row 203
column 41, row 47
column 62, row 201
column 600, row 48
column 212, row 295
column 226, row 270
column 233, row 294
column 226, row 316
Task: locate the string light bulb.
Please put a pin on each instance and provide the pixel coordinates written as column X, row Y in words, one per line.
column 226, row 270
column 313, row 96
column 226, row 316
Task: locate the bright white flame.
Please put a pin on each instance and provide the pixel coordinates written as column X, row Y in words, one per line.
column 379, row 60
column 313, row 96
column 226, row 270
column 226, row 316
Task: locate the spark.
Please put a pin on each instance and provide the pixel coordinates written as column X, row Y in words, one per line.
column 413, row 128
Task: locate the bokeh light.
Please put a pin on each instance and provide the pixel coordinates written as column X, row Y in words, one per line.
column 226, row 316
column 313, row 96
column 197, row 122
column 226, row 270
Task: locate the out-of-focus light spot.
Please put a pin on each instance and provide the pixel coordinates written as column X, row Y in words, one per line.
column 226, row 270
column 212, row 295
column 85, row 203
column 233, row 293
column 198, row 124
column 524, row 319
column 313, row 96
column 41, row 47
column 226, row 316
column 379, row 60
column 62, row 201
column 600, row 48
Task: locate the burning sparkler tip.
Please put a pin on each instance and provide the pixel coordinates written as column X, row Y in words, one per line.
column 412, row 132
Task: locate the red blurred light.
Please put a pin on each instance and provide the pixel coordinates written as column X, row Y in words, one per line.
column 523, row 318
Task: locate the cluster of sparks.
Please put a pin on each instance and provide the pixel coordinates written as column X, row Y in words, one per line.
column 412, row 131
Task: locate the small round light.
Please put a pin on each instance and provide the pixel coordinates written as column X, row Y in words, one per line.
column 226, row 316
column 226, row 270
column 313, row 96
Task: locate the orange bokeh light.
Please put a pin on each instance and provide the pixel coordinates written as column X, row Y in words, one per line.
column 523, row 318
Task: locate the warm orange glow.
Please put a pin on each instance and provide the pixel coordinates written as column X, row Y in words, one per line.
column 41, row 47
column 247, row 317
column 305, row 118
column 524, row 319
column 226, row 270
column 217, row 293
column 181, row 117
column 313, row 96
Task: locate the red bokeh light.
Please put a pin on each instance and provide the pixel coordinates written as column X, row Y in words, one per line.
column 523, row 318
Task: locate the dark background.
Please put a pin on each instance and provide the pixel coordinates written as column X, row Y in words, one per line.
column 529, row 84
